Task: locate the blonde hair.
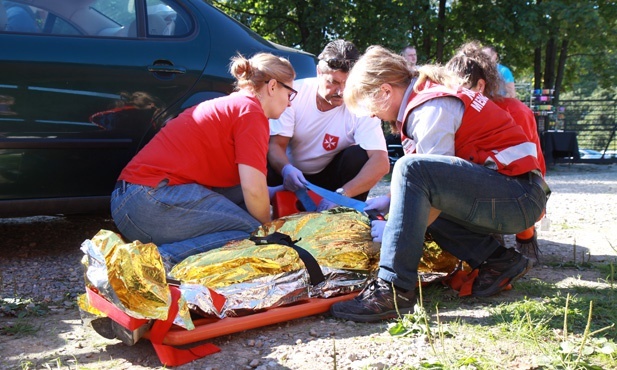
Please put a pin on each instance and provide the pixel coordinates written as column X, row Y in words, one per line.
column 437, row 74
column 253, row 73
column 377, row 66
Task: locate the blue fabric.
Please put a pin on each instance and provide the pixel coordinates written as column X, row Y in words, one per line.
column 506, row 76
column 474, row 201
column 505, row 73
column 210, row 218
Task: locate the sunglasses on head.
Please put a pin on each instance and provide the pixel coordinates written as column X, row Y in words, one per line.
column 342, row 64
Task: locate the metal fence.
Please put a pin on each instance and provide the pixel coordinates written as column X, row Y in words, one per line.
column 594, row 121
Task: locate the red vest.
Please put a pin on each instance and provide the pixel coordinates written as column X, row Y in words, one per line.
column 487, row 136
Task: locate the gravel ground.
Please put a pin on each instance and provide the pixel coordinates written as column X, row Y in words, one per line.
column 40, row 260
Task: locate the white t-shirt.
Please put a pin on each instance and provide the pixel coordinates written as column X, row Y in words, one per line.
column 316, row 137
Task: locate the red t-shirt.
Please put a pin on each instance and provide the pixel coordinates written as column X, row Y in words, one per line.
column 205, row 144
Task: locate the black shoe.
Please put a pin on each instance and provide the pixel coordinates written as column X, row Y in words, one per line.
column 496, row 273
column 529, row 248
column 375, row 302
column 102, row 325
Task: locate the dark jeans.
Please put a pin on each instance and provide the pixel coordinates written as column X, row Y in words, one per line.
column 345, row 166
column 474, row 201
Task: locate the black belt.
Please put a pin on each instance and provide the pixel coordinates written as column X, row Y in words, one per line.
column 121, row 184
column 536, row 178
column 311, row 264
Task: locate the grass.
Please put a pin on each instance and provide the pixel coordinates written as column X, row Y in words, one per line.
column 550, row 328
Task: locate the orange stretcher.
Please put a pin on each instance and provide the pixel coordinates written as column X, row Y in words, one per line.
column 166, row 337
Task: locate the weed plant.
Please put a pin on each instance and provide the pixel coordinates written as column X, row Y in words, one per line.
column 550, row 328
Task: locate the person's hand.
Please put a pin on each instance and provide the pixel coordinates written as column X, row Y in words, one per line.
column 274, row 189
column 381, row 204
column 293, row 179
column 325, row 205
column 377, row 227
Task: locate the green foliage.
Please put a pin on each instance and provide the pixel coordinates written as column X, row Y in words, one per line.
column 21, row 308
column 21, row 328
column 553, row 328
column 516, row 27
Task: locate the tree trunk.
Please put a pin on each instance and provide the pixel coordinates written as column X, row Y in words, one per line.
column 441, row 30
column 549, row 64
column 561, row 66
column 427, row 39
column 537, row 68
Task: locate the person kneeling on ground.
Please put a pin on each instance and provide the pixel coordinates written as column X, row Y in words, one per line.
column 467, row 165
column 479, row 73
column 201, row 181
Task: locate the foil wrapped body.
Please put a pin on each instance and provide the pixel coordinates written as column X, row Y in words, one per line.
column 129, row 275
column 255, row 277
column 251, row 277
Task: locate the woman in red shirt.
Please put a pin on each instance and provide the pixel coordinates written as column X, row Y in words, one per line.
column 201, row 181
column 479, row 73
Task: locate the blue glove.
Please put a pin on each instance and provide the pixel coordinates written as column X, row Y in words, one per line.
column 273, row 190
column 377, row 227
column 293, row 179
column 325, row 205
column 381, row 204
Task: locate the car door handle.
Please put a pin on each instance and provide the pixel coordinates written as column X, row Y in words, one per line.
column 166, row 69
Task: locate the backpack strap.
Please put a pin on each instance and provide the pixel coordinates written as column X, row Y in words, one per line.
column 311, row 264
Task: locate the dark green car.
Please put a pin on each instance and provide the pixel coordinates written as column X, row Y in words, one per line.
column 84, row 84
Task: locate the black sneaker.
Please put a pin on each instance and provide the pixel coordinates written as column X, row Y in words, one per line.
column 529, row 248
column 375, row 302
column 495, row 274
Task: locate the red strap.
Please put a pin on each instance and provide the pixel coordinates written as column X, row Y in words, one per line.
column 462, row 282
column 172, row 356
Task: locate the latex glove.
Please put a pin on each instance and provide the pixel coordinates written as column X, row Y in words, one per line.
column 293, row 179
column 377, row 227
column 325, row 204
column 274, row 189
column 381, row 204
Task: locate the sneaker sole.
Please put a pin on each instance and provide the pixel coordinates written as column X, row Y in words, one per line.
column 498, row 286
column 371, row 318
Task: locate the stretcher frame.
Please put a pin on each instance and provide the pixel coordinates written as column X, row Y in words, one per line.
column 165, row 336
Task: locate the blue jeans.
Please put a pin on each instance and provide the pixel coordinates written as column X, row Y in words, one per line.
column 181, row 220
column 474, row 201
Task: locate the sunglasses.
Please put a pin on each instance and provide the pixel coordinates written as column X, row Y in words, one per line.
column 293, row 92
column 342, row 64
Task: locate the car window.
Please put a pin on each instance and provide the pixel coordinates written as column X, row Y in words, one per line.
column 165, row 18
column 93, row 18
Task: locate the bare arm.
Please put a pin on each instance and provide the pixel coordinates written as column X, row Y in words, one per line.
column 255, row 192
column 277, row 152
column 374, row 169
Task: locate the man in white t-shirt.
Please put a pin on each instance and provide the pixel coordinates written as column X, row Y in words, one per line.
column 318, row 139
